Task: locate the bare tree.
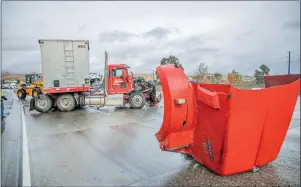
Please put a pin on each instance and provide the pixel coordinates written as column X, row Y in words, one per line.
column 201, row 72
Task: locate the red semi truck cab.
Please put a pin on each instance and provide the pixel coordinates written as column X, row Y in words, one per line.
column 119, row 80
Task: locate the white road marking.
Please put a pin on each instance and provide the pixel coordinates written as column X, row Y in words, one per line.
column 296, row 113
column 26, row 181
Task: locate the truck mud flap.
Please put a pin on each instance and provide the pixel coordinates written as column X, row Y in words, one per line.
column 32, row 104
column 158, row 99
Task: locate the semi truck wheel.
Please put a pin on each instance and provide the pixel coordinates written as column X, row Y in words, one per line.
column 66, row 102
column 43, row 103
column 137, row 100
column 21, row 94
column 36, row 92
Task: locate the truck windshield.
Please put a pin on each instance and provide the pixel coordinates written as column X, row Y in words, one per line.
column 128, row 69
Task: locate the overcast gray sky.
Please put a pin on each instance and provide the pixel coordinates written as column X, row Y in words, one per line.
column 224, row 35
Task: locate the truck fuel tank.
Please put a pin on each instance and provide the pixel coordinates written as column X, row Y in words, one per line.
column 111, row 100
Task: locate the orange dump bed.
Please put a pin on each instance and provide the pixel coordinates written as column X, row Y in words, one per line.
column 277, row 80
column 229, row 130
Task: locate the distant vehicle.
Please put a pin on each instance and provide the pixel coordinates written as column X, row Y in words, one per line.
column 5, row 86
column 33, row 86
column 12, row 86
column 94, row 81
column 94, row 75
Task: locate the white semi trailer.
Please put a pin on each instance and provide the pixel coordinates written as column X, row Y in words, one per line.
column 66, row 76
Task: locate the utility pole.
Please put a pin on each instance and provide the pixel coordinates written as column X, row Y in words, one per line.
column 289, row 62
column 153, row 75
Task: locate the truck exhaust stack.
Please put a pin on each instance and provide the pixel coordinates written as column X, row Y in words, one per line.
column 227, row 129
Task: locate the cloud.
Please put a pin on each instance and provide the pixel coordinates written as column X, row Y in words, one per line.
column 19, row 44
column 201, row 50
column 83, row 28
column 159, row 32
column 245, row 34
column 224, row 35
column 22, row 61
column 116, row 35
column 133, row 51
column 292, row 25
column 194, row 44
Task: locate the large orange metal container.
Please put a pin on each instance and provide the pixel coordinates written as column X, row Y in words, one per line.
column 229, row 130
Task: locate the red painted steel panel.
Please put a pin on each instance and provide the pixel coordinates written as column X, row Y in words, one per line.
column 277, row 80
column 280, row 102
column 229, row 130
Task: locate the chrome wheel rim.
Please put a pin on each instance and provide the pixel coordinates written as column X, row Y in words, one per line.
column 137, row 100
column 65, row 103
column 42, row 103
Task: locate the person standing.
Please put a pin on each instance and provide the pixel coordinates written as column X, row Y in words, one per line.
column 2, row 111
column 2, row 105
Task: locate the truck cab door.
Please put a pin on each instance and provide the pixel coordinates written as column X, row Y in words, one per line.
column 118, row 81
column 127, row 78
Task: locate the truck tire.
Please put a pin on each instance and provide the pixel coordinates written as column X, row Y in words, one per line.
column 137, row 100
column 21, row 94
column 66, row 103
column 152, row 97
column 43, row 103
column 36, row 92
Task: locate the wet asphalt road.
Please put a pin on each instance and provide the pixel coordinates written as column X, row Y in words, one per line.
column 108, row 147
